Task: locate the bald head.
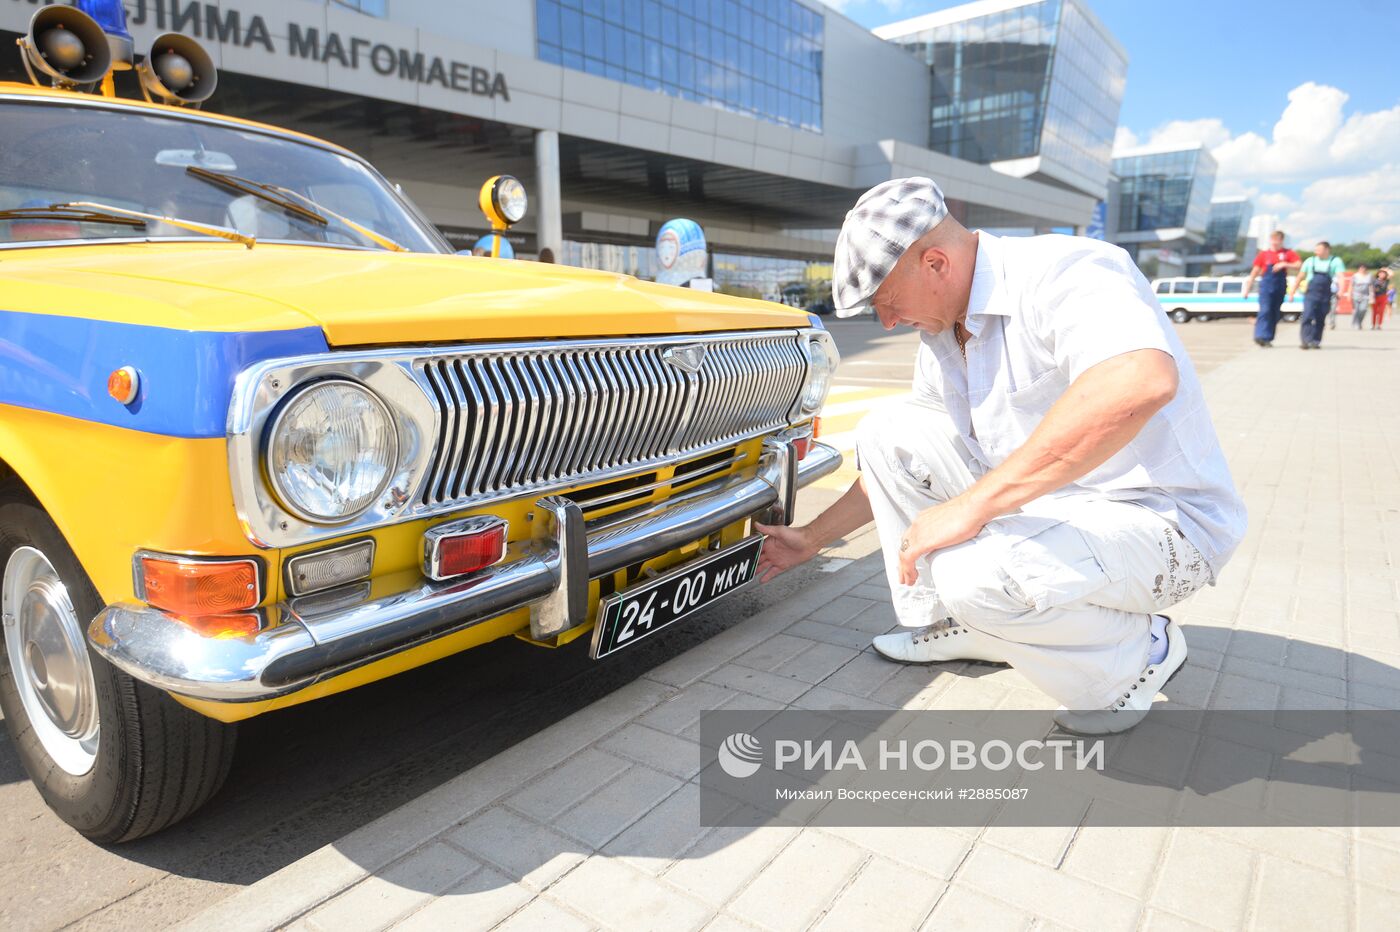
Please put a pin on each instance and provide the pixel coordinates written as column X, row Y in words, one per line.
column 928, row 287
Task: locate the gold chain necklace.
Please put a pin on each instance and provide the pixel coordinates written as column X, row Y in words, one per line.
column 962, row 336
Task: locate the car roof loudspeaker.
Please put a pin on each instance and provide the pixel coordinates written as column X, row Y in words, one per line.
column 66, row 46
column 177, row 71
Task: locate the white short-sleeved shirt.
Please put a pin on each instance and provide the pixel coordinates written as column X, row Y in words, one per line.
column 1044, row 309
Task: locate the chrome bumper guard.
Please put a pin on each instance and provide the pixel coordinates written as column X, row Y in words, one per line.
column 549, row 573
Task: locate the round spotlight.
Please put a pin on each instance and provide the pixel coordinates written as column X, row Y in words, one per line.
column 503, row 201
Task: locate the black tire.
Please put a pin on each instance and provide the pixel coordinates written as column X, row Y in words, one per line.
column 1291, row 318
column 157, row 761
column 1181, row 315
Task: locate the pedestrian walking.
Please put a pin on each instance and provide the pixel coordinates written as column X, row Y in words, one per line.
column 1380, row 299
column 1054, row 482
column 1362, row 294
column 1271, row 268
column 1323, row 274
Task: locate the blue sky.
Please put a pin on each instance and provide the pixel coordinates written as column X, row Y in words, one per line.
column 1298, row 102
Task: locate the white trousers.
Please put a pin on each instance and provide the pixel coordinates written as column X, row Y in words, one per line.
column 1070, row 594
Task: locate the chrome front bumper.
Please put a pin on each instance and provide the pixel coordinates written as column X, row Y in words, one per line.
column 549, row 573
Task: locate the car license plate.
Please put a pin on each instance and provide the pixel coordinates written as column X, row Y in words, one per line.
column 624, row 618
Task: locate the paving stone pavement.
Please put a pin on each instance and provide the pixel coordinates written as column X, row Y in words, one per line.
column 593, row 823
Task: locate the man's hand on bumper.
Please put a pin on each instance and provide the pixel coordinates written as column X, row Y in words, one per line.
column 785, row 548
column 945, row 525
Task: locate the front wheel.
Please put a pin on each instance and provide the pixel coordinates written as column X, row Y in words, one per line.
column 1181, row 315
column 114, row 758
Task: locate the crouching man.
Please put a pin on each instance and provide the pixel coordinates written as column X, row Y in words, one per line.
column 1054, row 481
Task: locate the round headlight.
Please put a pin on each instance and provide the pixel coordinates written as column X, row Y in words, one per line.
column 820, row 367
column 510, row 197
column 331, row 451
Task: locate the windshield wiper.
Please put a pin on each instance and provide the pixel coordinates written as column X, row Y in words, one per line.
column 68, row 213
column 293, row 202
column 93, row 212
column 256, row 189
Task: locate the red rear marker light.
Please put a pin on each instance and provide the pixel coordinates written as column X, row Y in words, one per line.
column 465, row 546
column 191, row 586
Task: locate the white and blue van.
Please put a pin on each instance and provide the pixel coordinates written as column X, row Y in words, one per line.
column 1206, row 298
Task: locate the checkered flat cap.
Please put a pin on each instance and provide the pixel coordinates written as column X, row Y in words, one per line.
column 885, row 222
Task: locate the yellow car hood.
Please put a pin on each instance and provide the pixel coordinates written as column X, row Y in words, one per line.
column 361, row 297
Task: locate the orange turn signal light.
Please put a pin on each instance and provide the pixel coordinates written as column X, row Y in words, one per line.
column 190, row 586
column 803, row 444
column 123, row 384
column 222, row 627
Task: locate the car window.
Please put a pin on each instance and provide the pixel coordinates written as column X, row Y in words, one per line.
column 53, row 153
column 1232, row 287
column 1183, row 287
column 1164, row 287
column 1207, row 287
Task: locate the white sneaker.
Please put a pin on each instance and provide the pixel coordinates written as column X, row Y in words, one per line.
column 941, row 642
column 1132, row 707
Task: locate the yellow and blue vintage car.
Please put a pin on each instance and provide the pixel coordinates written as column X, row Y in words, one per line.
column 265, row 438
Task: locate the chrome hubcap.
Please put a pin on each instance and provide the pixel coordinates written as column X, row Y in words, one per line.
column 49, row 661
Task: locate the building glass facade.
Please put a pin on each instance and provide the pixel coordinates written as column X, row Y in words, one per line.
column 369, row 7
column 1034, row 80
column 761, row 58
column 1164, row 190
column 1228, row 224
column 1087, row 81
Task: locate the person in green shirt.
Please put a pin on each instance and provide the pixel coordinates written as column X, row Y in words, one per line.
column 1323, row 273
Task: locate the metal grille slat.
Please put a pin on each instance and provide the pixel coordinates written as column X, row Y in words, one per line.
column 481, row 476
column 543, row 424
column 598, row 430
column 587, row 423
column 475, row 411
column 441, row 460
column 612, row 420
column 635, row 412
column 570, row 406
column 528, row 416
column 657, row 422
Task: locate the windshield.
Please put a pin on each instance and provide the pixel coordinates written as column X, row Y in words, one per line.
column 58, row 153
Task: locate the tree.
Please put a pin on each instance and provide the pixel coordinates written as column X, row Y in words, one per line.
column 1356, row 254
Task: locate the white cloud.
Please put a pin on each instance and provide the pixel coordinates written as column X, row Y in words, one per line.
column 1211, row 132
column 1347, row 166
column 1274, row 202
column 892, row 6
column 1385, row 236
column 1125, row 138
column 1346, row 208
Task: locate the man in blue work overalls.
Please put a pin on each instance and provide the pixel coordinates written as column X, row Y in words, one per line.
column 1271, row 267
column 1323, row 273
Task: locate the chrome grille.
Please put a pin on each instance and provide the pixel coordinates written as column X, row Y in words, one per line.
column 533, row 416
